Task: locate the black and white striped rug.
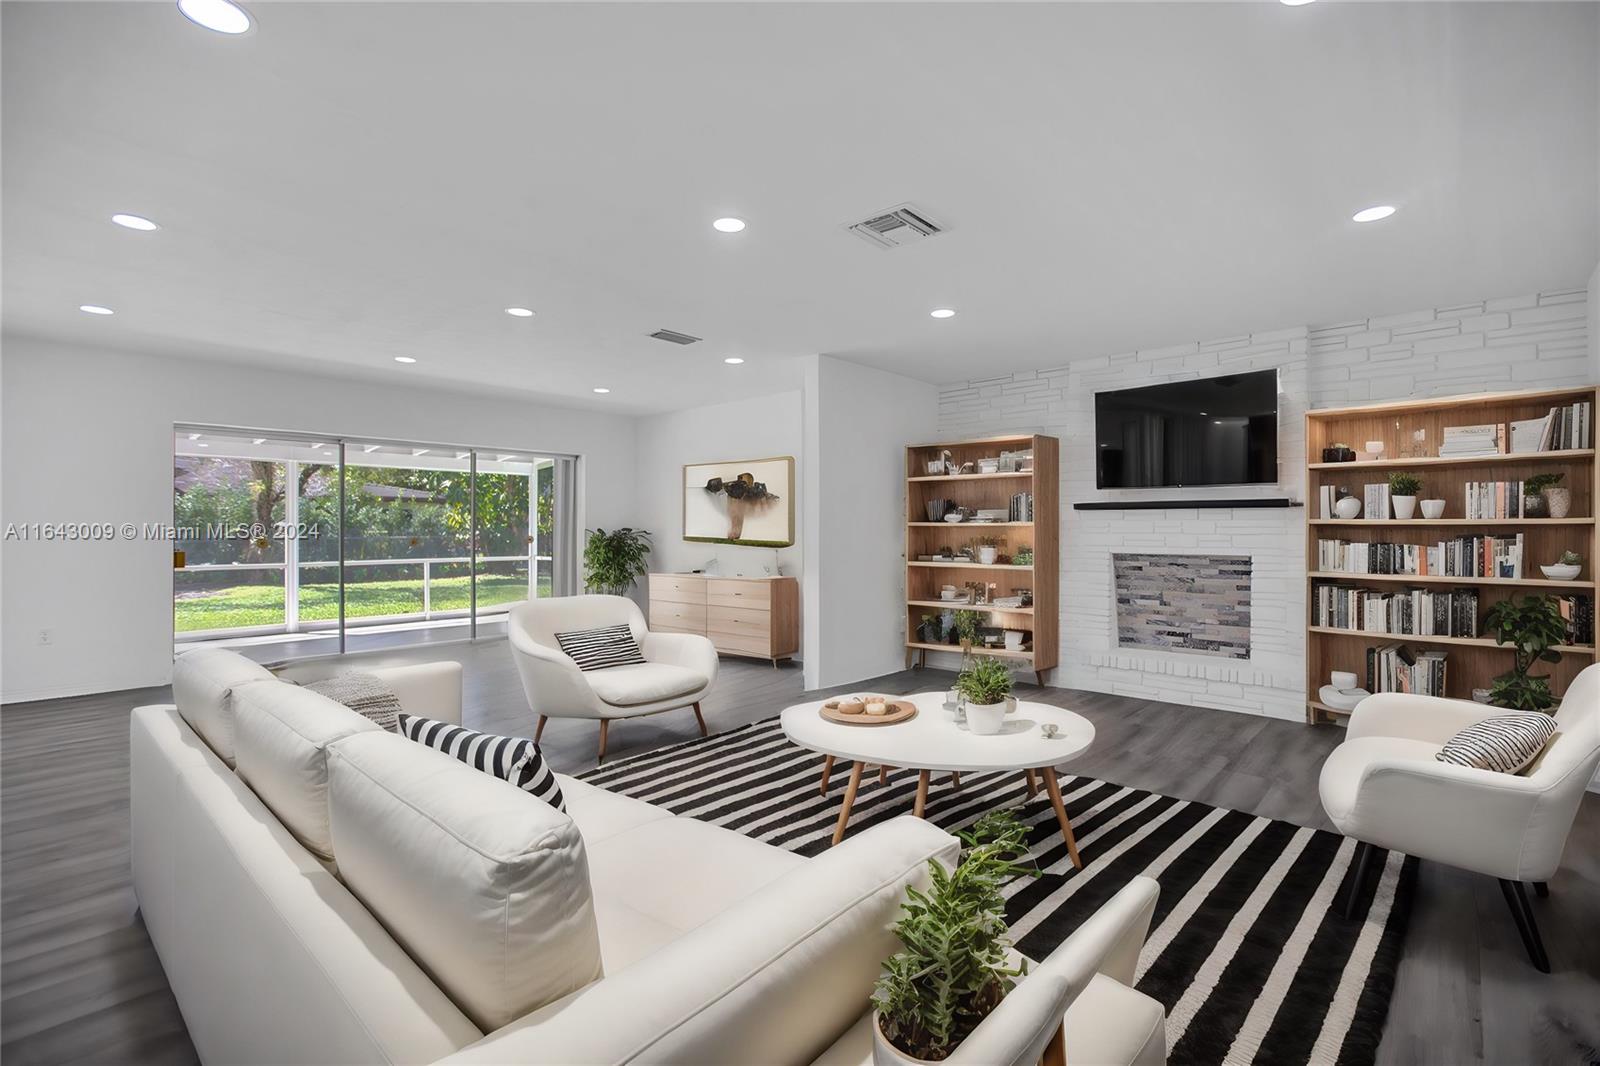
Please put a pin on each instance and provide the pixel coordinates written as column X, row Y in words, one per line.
column 1248, row 950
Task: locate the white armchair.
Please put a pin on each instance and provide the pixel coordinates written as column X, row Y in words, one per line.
column 1383, row 788
column 679, row 668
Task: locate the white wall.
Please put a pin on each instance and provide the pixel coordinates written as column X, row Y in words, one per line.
column 1594, row 324
column 86, row 436
column 756, row 428
column 1523, row 342
column 857, row 422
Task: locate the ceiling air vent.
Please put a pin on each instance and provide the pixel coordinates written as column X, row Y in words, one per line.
column 673, row 337
column 901, row 225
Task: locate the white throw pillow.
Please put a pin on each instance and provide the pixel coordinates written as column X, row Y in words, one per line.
column 202, row 686
column 282, row 733
column 1506, row 742
column 486, row 886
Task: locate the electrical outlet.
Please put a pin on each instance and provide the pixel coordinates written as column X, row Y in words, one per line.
column 46, row 637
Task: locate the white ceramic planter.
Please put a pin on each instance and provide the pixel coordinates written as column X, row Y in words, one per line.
column 1013, row 640
column 1404, row 506
column 885, row 1053
column 1432, row 508
column 987, row 555
column 1559, row 500
column 985, row 719
column 1348, row 508
column 1561, row 571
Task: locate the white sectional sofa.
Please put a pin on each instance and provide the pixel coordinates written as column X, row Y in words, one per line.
column 323, row 891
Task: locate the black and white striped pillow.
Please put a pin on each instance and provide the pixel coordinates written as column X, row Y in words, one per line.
column 596, row 649
column 513, row 759
column 1506, row 742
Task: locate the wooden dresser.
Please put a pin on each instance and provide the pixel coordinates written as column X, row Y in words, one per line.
column 754, row 616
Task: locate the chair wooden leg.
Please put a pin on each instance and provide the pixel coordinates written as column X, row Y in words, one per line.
column 605, row 725
column 1541, row 889
column 849, row 801
column 1527, row 927
column 698, row 717
column 1052, row 786
column 1363, row 864
column 1055, row 1052
column 1033, row 784
column 827, row 772
column 538, row 730
column 922, row 792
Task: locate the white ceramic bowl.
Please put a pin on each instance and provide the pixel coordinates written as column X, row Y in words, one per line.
column 1561, row 571
column 953, row 516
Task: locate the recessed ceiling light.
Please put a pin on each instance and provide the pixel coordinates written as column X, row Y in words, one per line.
column 219, row 15
column 404, row 359
column 733, row 360
column 134, row 222
column 1296, row 3
column 519, row 312
column 602, row 391
column 942, row 312
column 728, row 225
column 1372, row 214
column 95, row 309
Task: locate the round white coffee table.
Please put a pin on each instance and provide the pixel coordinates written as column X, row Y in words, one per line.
column 934, row 740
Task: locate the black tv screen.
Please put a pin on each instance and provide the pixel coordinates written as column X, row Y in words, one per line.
column 1211, row 431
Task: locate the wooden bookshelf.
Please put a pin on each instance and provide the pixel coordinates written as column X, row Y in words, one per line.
column 1473, row 661
column 924, row 577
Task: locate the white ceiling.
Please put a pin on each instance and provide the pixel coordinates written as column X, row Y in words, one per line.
column 352, row 182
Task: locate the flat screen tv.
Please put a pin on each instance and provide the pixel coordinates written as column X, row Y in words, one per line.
column 1211, row 431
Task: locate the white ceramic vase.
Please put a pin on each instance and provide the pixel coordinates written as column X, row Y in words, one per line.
column 1432, row 508
column 987, row 554
column 1013, row 640
column 985, row 719
column 1348, row 508
column 1559, row 499
column 1404, row 507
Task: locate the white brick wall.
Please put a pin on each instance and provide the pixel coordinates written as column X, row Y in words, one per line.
column 1523, row 342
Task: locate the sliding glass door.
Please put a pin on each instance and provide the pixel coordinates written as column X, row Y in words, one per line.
column 304, row 546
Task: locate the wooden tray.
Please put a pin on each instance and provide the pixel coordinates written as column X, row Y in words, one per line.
column 899, row 711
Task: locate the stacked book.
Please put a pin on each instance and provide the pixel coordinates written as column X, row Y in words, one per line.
column 1466, row 556
column 1579, row 614
column 1396, row 668
column 1493, row 499
column 1469, row 442
column 1021, row 509
column 1411, row 612
column 1375, row 501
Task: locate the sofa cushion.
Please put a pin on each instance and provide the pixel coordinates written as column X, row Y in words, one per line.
column 484, row 885
column 281, row 734
column 629, row 686
column 1112, row 1023
column 600, row 814
column 202, row 687
column 601, row 648
column 513, row 759
column 1505, row 743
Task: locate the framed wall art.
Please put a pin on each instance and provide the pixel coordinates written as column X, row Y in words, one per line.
column 743, row 501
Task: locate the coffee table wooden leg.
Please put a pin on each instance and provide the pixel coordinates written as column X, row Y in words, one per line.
column 955, row 780
column 827, row 772
column 849, row 799
column 922, row 792
column 1033, row 784
column 1054, row 788
column 883, row 775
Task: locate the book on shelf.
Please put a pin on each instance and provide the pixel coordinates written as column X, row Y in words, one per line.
column 1492, row 499
column 1562, row 428
column 1578, row 612
column 1396, row 668
column 1469, row 442
column 1375, row 501
column 1407, row 612
column 1568, row 427
column 1021, row 508
column 1471, row 555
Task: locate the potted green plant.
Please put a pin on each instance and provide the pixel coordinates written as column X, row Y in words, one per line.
column 928, row 629
column 613, row 561
column 1565, row 568
column 985, row 682
column 953, row 967
column 965, row 628
column 1532, row 626
column 1403, row 489
column 1023, row 555
column 986, row 549
column 1554, row 498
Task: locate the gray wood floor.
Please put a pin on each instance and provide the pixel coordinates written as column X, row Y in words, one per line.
column 79, row 981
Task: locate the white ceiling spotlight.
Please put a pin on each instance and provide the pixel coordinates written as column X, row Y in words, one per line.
column 137, row 222
column 733, row 360
column 1296, row 3
column 728, row 225
column 95, row 309
column 602, row 391
column 942, row 312
column 1372, row 214
column 519, row 312
column 219, row 15
column 404, row 359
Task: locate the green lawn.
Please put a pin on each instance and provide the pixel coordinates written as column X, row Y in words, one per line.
column 262, row 605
